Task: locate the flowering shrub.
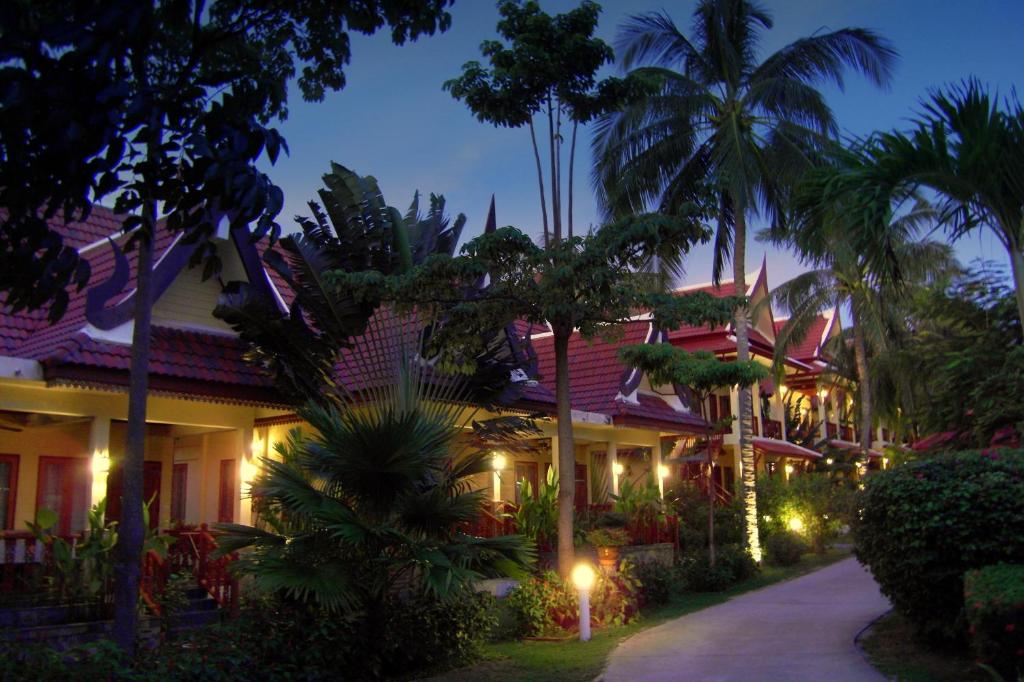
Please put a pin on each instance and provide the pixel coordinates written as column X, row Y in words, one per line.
column 545, row 605
column 994, row 599
column 925, row 524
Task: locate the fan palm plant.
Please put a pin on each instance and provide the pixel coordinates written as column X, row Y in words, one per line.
column 724, row 131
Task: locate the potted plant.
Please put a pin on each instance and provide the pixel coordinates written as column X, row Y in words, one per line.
column 607, row 542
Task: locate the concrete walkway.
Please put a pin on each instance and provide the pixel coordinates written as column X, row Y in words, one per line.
column 802, row 629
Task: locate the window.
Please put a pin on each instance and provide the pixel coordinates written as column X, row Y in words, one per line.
column 179, row 492
column 63, row 487
column 580, row 493
column 228, row 491
column 724, row 408
column 8, row 490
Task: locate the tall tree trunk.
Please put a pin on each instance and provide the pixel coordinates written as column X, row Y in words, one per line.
column 566, row 452
column 131, row 533
column 860, row 352
column 749, row 475
column 556, row 208
column 711, row 504
column 540, row 185
column 572, row 159
column 1017, row 267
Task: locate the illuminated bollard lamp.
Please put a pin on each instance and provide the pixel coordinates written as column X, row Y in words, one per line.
column 583, row 578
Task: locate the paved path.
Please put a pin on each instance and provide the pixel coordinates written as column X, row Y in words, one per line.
column 802, row 629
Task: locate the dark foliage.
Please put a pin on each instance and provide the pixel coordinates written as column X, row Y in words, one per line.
column 924, row 524
column 784, row 548
column 994, row 597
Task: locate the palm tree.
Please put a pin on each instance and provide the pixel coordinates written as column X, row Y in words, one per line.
column 969, row 150
column 819, row 227
column 725, row 131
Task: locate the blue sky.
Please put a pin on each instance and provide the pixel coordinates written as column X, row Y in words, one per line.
column 393, row 120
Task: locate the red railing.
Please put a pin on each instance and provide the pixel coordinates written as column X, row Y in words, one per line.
column 754, row 430
column 847, row 434
column 773, row 429
column 192, row 552
column 831, row 430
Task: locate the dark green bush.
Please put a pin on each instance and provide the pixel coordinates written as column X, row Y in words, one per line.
column 784, row 548
column 691, row 507
column 656, row 581
column 821, row 501
column 994, row 599
column 925, row 524
column 699, row 576
column 739, row 561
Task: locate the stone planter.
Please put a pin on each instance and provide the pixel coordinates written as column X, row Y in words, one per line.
column 661, row 553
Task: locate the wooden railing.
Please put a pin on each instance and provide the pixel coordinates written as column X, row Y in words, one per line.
column 191, row 553
column 847, row 434
column 23, row 557
column 773, row 429
column 831, row 430
column 754, row 430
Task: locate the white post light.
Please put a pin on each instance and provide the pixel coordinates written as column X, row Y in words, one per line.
column 583, row 578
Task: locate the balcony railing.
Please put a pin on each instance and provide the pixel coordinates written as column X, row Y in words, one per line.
column 831, row 430
column 847, row 434
column 773, row 429
column 755, row 431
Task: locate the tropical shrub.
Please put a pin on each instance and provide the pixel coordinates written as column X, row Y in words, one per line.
column 615, row 598
column 699, row 576
column 994, row 598
column 691, row 508
column 536, row 517
column 542, row 604
column 925, row 524
column 608, row 537
column 640, row 503
column 815, row 505
column 655, row 580
column 784, row 548
column 737, row 558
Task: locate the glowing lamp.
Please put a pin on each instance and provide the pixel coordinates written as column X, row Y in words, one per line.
column 767, row 518
column 583, row 578
column 830, row 461
column 823, row 393
column 100, row 463
column 885, row 461
column 789, row 469
column 617, row 468
column 663, row 471
column 796, row 524
column 783, row 389
column 498, row 462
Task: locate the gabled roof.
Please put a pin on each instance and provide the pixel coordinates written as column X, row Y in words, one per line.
column 600, row 382
column 811, row 347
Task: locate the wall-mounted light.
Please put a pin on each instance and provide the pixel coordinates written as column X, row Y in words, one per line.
column 830, row 461
column 885, row 461
column 618, row 469
column 663, row 471
column 789, row 469
column 823, row 393
column 498, row 461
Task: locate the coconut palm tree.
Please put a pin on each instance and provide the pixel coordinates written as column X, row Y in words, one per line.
column 726, row 131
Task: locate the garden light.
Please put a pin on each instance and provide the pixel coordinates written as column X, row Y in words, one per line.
column 885, row 461
column 663, row 471
column 789, row 469
column 617, row 468
column 796, row 524
column 767, row 518
column 583, row 578
column 830, row 461
column 498, row 461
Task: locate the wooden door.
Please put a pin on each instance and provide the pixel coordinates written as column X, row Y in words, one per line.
column 8, row 490
column 580, row 496
column 151, row 474
column 63, row 487
column 228, row 491
column 179, row 492
column 526, row 471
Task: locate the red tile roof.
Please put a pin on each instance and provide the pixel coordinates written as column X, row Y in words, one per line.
column 783, row 448
column 596, row 377
column 808, row 348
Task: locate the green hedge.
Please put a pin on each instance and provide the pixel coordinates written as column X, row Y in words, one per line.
column 784, row 548
column 994, row 598
column 923, row 525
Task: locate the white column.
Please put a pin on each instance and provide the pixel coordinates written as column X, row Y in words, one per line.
column 249, row 446
column 656, row 463
column 612, row 460
column 782, row 414
column 822, row 417
column 99, row 453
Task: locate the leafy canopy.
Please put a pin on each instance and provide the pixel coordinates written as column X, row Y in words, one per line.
column 162, row 102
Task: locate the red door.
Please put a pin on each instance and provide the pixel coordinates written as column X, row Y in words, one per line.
column 228, row 491
column 151, row 474
column 580, row 498
column 8, row 490
column 63, row 487
column 179, row 492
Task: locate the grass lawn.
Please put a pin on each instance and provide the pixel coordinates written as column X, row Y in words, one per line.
column 893, row 649
column 574, row 661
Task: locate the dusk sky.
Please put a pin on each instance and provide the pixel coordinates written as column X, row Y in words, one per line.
column 395, row 122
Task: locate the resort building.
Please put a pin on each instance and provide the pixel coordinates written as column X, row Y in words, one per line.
column 212, row 415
